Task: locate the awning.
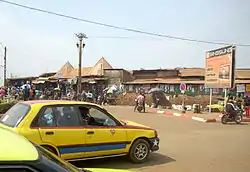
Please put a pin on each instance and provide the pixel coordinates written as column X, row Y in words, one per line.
column 174, row 81
column 164, row 81
column 92, row 80
column 38, row 82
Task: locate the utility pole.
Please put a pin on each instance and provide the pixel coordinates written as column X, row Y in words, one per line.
column 4, row 66
column 5, row 57
column 80, row 45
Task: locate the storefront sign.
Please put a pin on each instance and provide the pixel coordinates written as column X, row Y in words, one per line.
column 216, row 90
column 167, row 88
column 248, row 88
column 130, row 88
column 220, row 67
column 241, row 88
column 171, row 88
column 59, row 76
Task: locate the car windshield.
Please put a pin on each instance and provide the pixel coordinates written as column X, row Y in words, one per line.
column 15, row 115
column 54, row 159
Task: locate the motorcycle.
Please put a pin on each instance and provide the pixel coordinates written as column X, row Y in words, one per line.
column 140, row 107
column 236, row 118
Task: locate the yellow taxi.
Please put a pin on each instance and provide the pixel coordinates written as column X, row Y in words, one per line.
column 18, row 154
column 78, row 130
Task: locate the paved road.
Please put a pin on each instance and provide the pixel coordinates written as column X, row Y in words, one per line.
column 187, row 145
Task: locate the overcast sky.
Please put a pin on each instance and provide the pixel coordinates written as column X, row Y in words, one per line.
column 39, row 42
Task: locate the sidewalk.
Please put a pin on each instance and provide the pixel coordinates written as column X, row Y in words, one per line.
column 202, row 117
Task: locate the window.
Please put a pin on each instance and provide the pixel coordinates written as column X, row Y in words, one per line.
column 59, row 116
column 68, row 116
column 99, row 118
column 15, row 115
column 48, row 117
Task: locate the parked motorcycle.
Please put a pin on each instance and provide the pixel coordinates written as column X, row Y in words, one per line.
column 236, row 118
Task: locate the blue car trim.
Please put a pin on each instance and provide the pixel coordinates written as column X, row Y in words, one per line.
column 93, row 148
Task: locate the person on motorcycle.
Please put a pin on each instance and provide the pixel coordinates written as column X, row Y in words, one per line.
column 139, row 99
column 230, row 108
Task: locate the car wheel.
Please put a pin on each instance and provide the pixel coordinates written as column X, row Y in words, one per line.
column 139, row 151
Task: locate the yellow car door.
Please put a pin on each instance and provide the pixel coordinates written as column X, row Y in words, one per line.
column 60, row 126
column 104, row 134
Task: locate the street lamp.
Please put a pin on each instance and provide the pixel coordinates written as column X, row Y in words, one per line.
column 4, row 66
column 80, row 45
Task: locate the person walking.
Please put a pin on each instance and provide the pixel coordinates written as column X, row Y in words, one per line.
column 247, row 106
column 25, row 93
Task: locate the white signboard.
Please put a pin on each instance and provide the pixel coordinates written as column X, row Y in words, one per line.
column 241, row 88
column 59, row 76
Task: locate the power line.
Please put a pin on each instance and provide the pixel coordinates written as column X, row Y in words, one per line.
column 119, row 27
column 124, row 37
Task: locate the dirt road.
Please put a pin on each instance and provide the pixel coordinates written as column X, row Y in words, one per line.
column 187, row 145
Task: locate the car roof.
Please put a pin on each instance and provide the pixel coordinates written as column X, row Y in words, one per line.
column 53, row 102
column 14, row 147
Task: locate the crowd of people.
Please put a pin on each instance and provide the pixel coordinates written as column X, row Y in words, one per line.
column 18, row 93
column 30, row 92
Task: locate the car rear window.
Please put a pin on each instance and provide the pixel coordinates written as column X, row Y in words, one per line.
column 15, row 115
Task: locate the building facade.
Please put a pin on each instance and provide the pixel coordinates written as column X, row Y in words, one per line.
column 102, row 75
column 169, row 80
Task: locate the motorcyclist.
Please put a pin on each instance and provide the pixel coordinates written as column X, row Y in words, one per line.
column 139, row 99
column 230, row 108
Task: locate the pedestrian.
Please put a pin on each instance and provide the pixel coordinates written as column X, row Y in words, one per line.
column 25, row 93
column 83, row 96
column 2, row 92
column 144, row 102
column 90, row 96
column 247, row 106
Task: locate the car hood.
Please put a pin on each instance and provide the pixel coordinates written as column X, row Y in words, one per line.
column 131, row 123
column 106, row 170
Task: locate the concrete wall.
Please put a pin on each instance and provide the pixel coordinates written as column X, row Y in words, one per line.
column 117, row 76
column 151, row 74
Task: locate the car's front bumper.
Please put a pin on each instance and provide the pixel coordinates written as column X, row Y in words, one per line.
column 154, row 143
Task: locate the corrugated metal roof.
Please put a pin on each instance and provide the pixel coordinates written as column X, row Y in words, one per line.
column 164, row 81
column 243, row 73
column 184, row 72
column 65, row 71
column 176, row 81
column 68, row 71
column 239, row 73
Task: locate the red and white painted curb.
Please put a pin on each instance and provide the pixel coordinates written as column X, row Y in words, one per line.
column 183, row 116
column 191, row 117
